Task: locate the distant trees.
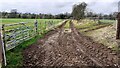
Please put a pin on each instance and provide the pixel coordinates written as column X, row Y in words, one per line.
column 63, row 16
column 93, row 15
column 79, row 11
column 4, row 15
column 15, row 14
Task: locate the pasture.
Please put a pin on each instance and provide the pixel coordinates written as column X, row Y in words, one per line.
column 11, row 21
column 41, row 22
column 20, row 29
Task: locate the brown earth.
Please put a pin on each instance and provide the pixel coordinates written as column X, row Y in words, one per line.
column 68, row 48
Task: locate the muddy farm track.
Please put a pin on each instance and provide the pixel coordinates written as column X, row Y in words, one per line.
column 68, row 48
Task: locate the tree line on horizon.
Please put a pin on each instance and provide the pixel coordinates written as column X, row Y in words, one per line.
column 15, row 14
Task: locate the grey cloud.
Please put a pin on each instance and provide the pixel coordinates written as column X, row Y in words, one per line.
column 103, row 7
column 58, row 7
column 63, row 4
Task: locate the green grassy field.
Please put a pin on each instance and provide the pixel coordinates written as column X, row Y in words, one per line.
column 108, row 21
column 30, row 22
column 88, row 25
column 14, row 56
column 11, row 21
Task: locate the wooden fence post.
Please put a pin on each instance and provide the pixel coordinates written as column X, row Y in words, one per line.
column 2, row 38
column 118, row 26
column 36, row 26
column 1, row 58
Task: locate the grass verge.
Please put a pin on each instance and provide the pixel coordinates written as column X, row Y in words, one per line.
column 15, row 57
column 67, row 25
column 104, row 33
column 91, row 25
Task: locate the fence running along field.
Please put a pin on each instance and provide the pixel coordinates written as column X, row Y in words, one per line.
column 14, row 34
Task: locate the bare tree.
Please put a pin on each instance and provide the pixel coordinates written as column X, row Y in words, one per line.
column 79, row 11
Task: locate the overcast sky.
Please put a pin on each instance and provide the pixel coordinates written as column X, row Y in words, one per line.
column 57, row 6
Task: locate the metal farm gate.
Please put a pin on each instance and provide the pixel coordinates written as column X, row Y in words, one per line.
column 12, row 35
